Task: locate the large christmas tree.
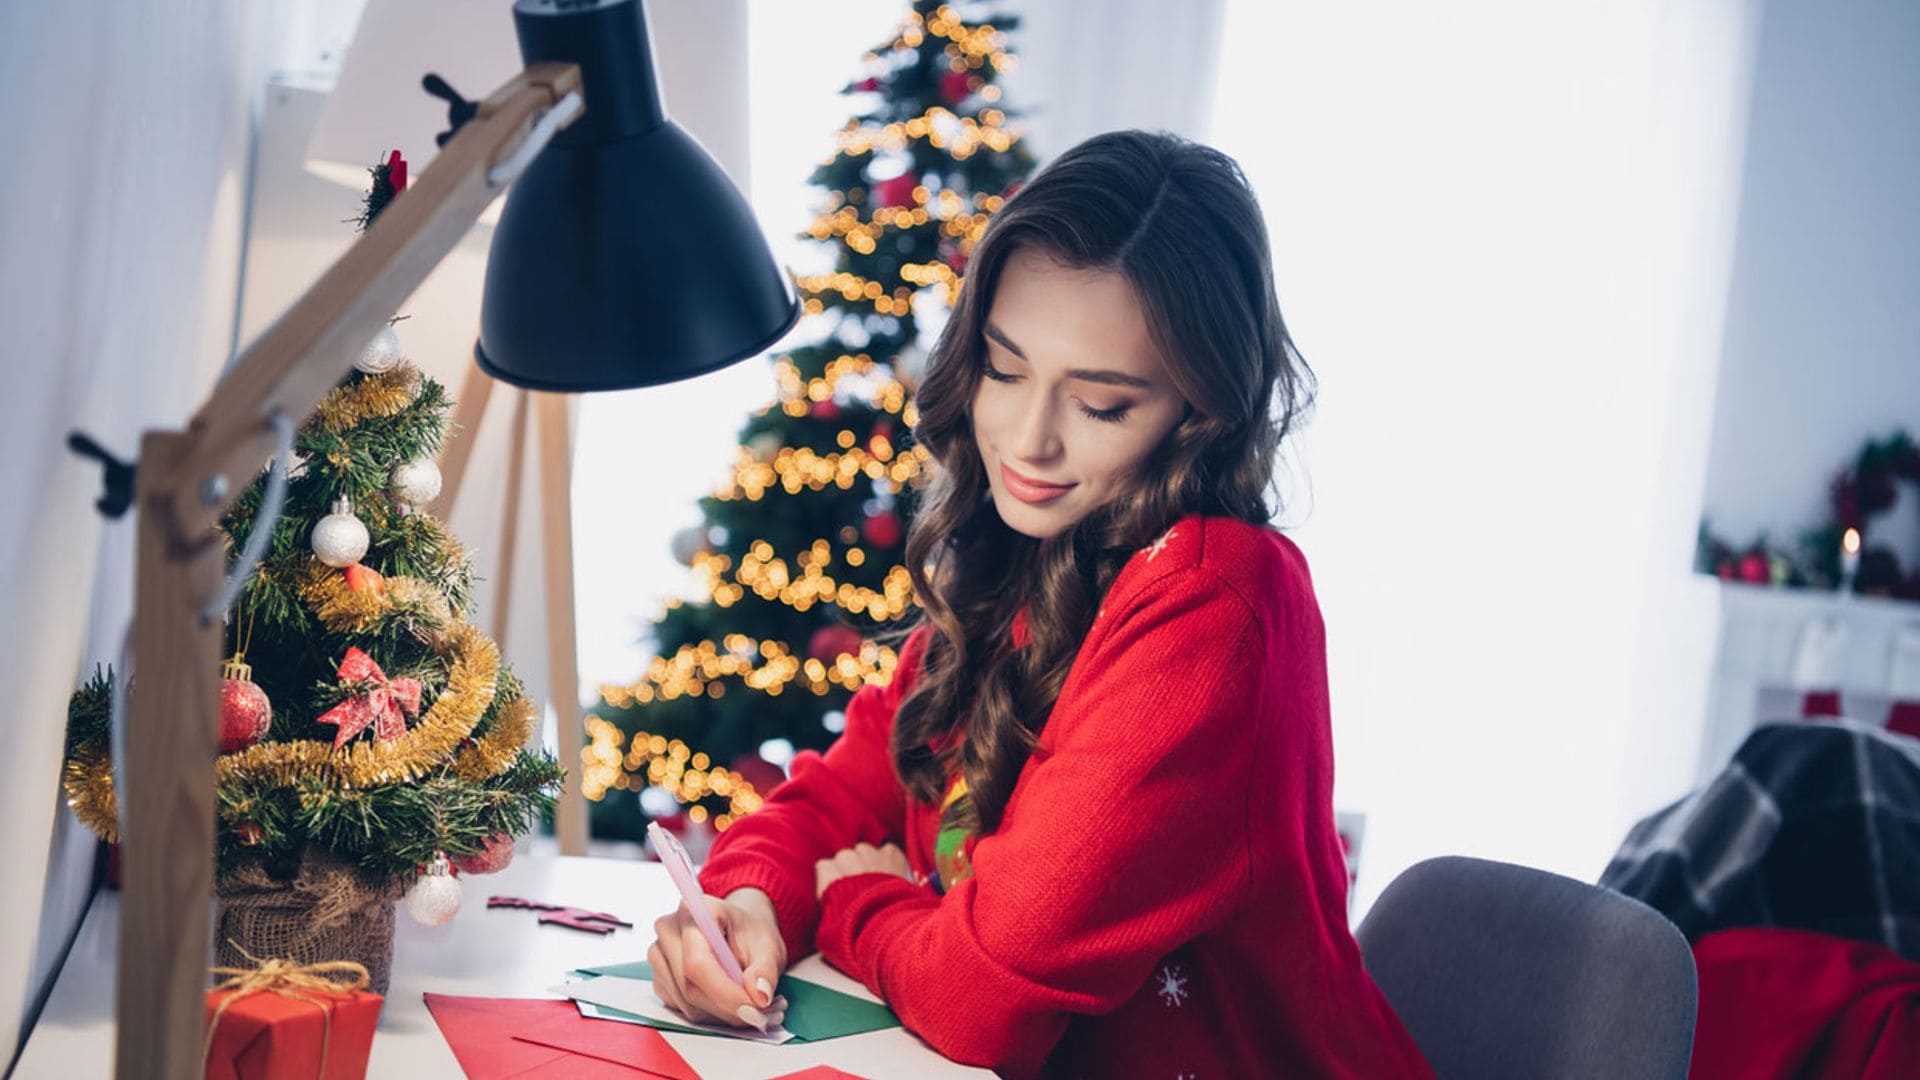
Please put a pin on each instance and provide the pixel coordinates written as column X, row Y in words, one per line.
column 799, row 558
column 364, row 720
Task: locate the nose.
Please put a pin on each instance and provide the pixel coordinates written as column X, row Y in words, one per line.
column 1039, row 436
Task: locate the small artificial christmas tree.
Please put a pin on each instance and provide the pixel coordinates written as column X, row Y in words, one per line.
column 368, row 731
column 799, row 556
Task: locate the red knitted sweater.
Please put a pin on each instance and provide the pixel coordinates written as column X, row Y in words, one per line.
column 1165, row 894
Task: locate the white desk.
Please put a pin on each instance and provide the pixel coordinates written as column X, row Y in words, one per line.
column 486, row 953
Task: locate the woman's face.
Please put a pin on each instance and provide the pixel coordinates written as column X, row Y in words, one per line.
column 1074, row 396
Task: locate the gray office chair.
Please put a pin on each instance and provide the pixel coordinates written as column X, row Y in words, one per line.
column 1502, row 971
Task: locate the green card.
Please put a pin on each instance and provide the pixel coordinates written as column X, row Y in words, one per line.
column 814, row 1012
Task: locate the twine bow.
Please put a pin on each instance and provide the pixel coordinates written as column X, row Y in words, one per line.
column 288, row 979
column 380, row 706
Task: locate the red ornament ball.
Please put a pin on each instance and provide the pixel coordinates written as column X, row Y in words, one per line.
column 1753, row 568
column 897, row 191
column 829, row 642
column 955, row 87
column 764, row 775
column 826, row 409
column 882, row 529
column 870, row 83
column 245, row 713
column 493, row 857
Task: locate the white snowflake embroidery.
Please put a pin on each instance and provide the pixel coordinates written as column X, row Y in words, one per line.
column 1173, row 986
column 1160, row 544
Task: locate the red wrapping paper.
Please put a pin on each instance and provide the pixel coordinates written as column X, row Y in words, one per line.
column 266, row 1035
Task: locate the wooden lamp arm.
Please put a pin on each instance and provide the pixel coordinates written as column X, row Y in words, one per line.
column 185, row 482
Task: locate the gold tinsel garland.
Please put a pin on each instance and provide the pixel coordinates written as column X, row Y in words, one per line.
column 492, row 753
column 470, row 689
column 345, row 610
column 89, row 782
column 385, row 394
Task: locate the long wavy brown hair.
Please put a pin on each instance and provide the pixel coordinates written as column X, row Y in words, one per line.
column 1179, row 222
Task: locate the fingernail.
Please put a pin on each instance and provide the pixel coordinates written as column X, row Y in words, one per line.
column 753, row 1016
column 766, row 990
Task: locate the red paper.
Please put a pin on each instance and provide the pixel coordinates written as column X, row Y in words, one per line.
column 481, row 1032
column 819, row 1072
column 633, row 1045
column 265, row 1035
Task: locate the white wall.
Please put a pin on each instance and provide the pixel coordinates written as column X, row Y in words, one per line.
column 1822, row 347
column 121, row 217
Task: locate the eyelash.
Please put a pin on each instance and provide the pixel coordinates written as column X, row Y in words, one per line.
column 1105, row 416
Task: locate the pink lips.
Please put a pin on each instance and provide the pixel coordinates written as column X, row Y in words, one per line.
column 1031, row 491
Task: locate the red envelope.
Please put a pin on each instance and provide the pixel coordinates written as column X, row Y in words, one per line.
column 482, row 1034
column 633, row 1045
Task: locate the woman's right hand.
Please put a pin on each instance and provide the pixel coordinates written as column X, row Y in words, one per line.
column 689, row 977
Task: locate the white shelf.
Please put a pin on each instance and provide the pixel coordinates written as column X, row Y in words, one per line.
column 1777, row 641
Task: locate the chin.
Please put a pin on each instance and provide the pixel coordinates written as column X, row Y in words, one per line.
column 1029, row 521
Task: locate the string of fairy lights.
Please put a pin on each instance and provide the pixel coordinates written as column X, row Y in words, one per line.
column 696, row 670
column 704, row 668
column 769, row 577
column 969, row 46
column 669, row 764
column 613, row 761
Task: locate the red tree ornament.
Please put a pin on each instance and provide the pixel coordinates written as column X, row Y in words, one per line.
column 955, row 87
column 881, row 529
column 397, row 172
column 491, row 858
column 380, row 706
column 869, row 84
column 764, row 775
column 245, row 713
column 826, row 409
column 897, row 191
column 364, row 579
column 830, row 641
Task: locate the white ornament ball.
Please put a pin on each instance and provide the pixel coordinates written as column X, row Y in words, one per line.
column 765, row 446
column 434, row 898
column 910, row 364
column 416, row 483
column 658, row 802
column 687, row 543
column 340, row 539
column 382, row 353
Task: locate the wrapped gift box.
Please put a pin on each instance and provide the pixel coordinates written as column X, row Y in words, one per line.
column 268, row 1035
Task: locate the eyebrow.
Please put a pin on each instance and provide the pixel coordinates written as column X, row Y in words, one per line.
column 1097, row 375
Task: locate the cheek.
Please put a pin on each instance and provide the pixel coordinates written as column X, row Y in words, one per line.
column 989, row 415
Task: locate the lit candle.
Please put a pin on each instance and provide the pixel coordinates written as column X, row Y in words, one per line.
column 1849, row 557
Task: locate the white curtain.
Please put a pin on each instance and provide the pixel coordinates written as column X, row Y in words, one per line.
column 1088, row 66
column 1502, row 232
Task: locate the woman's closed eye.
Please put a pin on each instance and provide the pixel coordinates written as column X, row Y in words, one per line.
column 1105, row 416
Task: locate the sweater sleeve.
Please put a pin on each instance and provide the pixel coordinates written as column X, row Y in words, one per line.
column 1121, row 841
column 847, row 796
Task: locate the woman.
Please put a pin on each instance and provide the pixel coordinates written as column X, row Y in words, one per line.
column 1086, row 830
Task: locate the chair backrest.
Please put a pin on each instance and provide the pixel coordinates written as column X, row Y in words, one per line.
column 1502, row 971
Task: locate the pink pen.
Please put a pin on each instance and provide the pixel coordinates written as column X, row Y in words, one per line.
column 680, row 869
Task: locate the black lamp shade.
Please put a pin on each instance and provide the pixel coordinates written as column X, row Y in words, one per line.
column 624, row 256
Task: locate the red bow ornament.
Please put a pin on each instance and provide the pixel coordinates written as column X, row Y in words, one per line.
column 380, row 706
